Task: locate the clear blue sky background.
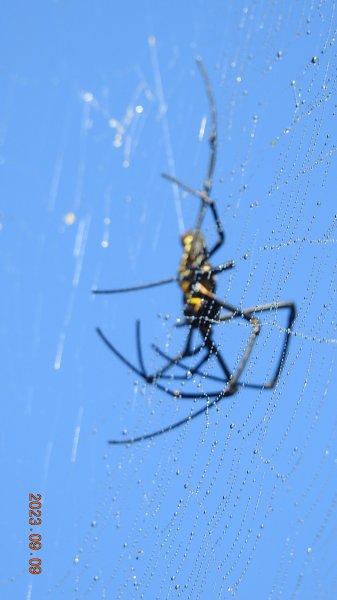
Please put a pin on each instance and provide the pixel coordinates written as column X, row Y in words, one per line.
column 97, row 99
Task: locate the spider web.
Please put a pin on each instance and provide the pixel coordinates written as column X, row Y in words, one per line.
column 244, row 496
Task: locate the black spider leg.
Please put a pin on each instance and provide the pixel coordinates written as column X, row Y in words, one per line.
column 193, row 415
column 153, row 378
column 149, row 378
column 285, row 347
column 137, row 288
column 208, row 181
column 232, row 378
column 125, row 361
column 190, row 417
column 213, row 134
column 205, row 201
column 212, row 349
column 204, row 195
column 209, row 346
column 208, row 343
column 181, row 355
column 176, row 360
column 195, row 370
column 187, row 352
column 248, row 313
column 203, row 374
column 230, row 390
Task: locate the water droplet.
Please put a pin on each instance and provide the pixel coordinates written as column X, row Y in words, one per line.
column 87, row 96
column 69, row 218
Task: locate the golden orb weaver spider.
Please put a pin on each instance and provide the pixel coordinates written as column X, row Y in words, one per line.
column 202, row 308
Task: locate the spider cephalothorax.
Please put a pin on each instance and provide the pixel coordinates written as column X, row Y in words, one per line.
column 196, row 278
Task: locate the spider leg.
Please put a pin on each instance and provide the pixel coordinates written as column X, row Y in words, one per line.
column 171, row 361
column 186, row 368
column 141, row 372
column 213, row 135
column 233, row 378
column 130, row 365
column 202, row 195
column 205, row 200
column 136, row 288
column 122, row 358
column 181, row 355
column 235, row 312
column 242, row 365
column 223, row 267
column 290, row 306
column 248, row 313
column 212, row 349
column 150, row 378
column 174, row 360
column 221, row 319
column 211, row 164
column 190, row 417
column 219, row 228
column 193, row 370
column 212, row 142
column 234, row 381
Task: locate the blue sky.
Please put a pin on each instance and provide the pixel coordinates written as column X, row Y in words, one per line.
column 97, row 101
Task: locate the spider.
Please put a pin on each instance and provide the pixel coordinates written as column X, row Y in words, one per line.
column 202, row 308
